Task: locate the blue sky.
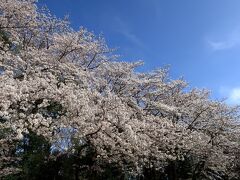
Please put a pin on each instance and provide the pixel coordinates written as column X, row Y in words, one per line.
column 199, row 39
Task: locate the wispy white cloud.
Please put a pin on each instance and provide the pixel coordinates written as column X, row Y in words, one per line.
column 221, row 45
column 124, row 29
column 230, row 40
column 232, row 95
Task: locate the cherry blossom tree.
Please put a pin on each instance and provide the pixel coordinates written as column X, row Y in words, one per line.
column 69, row 88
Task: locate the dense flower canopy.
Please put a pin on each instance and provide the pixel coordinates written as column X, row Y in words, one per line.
column 70, row 88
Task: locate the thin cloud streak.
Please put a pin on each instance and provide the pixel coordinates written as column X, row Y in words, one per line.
column 221, row 45
column 232, row 40
column 125, row 30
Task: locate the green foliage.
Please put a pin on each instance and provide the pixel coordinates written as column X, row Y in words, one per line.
column 34, row 151
column 39, row 162
column 4, row 37
column 53, row 110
